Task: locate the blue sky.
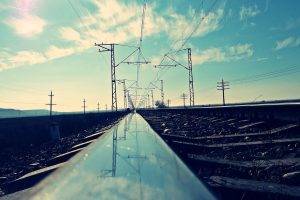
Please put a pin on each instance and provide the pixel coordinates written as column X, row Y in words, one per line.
column 49, row 45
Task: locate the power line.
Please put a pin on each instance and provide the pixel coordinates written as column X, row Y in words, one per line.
column 263, row 76
column 267, row 75
column 157, row 76
column 198, row 25
column 21, row 89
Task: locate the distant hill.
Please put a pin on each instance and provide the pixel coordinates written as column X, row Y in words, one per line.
column 12, row 113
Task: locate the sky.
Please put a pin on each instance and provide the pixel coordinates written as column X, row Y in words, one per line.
column 49, row 45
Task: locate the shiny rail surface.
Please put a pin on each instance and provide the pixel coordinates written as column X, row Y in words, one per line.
column 130, row 161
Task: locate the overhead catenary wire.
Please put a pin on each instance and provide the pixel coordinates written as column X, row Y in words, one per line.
column 158, row 76
column 188, row 37
column 260, row 77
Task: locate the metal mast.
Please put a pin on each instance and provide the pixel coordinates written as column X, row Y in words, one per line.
column 189, row 68
column 111, row 49
column 152, row 99
column 140, row 45
column 125, row 95
column 114, row 102
column 162, row 91
column 191, row 81
column 140, row 53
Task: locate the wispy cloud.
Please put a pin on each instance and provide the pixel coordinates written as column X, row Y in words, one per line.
column 292, row 24
column 248, row 12
column 261, row 59
column 209, row 22
column 68, row 33
column 123, row 22
column 22, row 18
column 267, row 6
column 11, row 60
column 26, row 58
column 26, row 25
column 287, row 42
column 231, row 53
column 289, row 24
column 111, row 21
column 56, row 52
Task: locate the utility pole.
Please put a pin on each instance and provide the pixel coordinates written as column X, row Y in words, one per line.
column 125, row 96
column 148, row 101
column 152, row 99
column 106, row 107
column 98, row 107
column 51, row 95
column 191, row 81
column 223, row 85
column 84, row 106
column 162, row 91
column 128, row 99
column 183, row 97
column 169, row 101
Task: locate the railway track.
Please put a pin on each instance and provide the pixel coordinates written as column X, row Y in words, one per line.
column 232, row 153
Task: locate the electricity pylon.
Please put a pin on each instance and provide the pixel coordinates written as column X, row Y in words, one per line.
column 110, row 47
column 189, row 68
column 161, row 89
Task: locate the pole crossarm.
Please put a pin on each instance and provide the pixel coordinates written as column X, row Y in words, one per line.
column 126, row 45
column 133, row 62
column 139, row 95
column 178, row 63
column 137, row 88
column 127, row 57
column 103, row 46
column 137, row 63
column 164, row 65
column 176, row 51
column 156, row 87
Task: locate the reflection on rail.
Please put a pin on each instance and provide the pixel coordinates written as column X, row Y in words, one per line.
column 128, row 162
